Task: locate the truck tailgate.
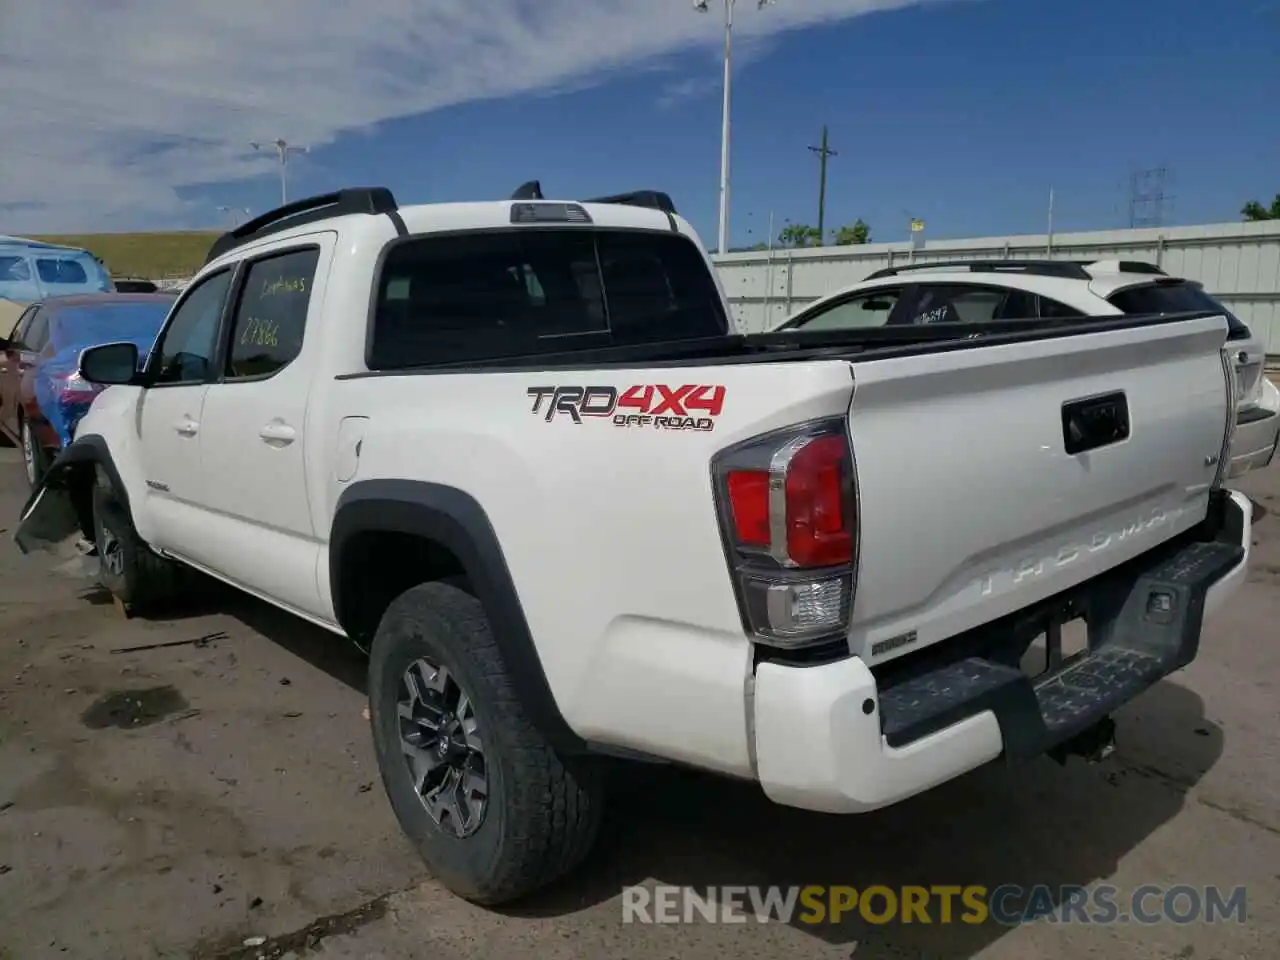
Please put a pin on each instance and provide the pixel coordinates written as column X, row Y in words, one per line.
column 992, row 478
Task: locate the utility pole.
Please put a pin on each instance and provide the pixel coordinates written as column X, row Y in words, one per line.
column 823, row 152
column 1049, row 238
column 702, row 6
column 282, row 150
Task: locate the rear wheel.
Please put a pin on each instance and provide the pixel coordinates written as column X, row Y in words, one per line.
column 494, row 811
column 127, row 567
column 34, row 458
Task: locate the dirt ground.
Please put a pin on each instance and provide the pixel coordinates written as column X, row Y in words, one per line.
column 177, row 801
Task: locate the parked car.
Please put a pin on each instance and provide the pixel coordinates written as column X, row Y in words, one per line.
column 134, row 285
column 32, row 270
column 515, row 450
column 998, row 291
column 42, row 395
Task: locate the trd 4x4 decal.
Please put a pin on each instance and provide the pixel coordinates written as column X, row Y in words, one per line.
column 691, row 406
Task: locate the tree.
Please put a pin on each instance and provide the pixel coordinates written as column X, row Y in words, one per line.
column 799, row 235
column 1253, row 210
column 858, row 232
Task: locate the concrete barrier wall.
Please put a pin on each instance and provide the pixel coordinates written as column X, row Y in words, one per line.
column 1237, row 262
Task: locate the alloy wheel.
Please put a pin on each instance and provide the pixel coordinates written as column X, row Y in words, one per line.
column 442, row 748
column 29, row 452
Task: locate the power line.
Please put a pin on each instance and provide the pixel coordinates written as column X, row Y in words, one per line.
column 1147, row 197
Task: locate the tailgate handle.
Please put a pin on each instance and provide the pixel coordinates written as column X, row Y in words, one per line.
column 1093, row 422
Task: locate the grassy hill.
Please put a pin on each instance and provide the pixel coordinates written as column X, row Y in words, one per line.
column 152, row 255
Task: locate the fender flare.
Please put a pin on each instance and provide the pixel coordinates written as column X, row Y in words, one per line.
column 90, row 449
column 456, row 521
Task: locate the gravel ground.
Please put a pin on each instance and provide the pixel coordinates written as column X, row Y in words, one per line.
column 176, row 801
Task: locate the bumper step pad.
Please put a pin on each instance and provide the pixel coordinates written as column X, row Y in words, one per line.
column 1144, row 623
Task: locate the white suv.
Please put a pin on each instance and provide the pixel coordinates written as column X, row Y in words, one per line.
column 999, row 291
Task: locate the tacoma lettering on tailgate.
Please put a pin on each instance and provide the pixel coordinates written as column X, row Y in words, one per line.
column 658, row 406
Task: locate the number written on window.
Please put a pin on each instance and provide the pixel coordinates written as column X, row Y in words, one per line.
column 271, row 317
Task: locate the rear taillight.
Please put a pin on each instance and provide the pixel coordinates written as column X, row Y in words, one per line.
column 74, row 385
column 788, row 513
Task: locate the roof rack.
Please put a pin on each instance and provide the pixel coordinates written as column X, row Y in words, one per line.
column 1069, row 269
column 652, row 199
column 368, row 200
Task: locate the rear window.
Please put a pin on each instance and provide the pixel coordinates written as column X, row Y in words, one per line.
column 136, row 321
column 1178, row 297
column 511, row 293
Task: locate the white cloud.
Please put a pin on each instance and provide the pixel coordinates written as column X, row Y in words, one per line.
column 110, row 106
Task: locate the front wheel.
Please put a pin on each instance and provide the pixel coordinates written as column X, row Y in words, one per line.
column 494, row 811
column 127, row 567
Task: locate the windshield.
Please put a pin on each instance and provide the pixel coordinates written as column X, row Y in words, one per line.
column 511, row 293
column 1178, row 296
column 135, row 321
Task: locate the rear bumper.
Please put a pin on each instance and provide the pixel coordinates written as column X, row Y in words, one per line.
column 840, row 739
column 1257, row 434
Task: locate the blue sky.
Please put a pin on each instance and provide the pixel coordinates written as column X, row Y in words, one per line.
column 963, row 113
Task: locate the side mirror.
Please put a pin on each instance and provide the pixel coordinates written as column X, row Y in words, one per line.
column 881, row 306
column 110, row 363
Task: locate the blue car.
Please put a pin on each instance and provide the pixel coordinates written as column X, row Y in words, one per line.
column 42, row 397
column 31, row 270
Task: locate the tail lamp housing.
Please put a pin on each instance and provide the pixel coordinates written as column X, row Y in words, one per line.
column 787, row 502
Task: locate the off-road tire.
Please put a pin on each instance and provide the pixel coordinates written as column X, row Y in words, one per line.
column 543, row 812
column 138, row 577
column 34, row 453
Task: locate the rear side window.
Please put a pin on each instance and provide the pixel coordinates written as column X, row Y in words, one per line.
column 59, row 270
column 947, row 303
column 271, row 317
column 511, row 293
column 1053, row 310
column 1178, row 297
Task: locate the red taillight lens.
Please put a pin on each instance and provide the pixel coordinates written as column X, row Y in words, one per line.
column 788, row 511
column 749, row 505
column 817, row 485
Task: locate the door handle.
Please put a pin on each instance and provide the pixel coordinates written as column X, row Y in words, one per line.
column 187, row 427
column 276, row 432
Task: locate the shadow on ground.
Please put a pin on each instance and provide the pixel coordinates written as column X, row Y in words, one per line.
column 1038, row 824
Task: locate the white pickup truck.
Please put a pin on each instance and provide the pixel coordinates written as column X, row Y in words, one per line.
column 515, row 451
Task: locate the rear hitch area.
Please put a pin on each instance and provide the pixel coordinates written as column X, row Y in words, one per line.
column 1094, row 744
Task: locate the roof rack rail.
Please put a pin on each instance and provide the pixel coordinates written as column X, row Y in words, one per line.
column 1069, row 269
column 653, row 199
column 369, row 200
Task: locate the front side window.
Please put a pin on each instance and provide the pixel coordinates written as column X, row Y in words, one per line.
column 188, row 344
column 870, row 309
column 510, row 293
column 271, row 316
column 14, row 270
